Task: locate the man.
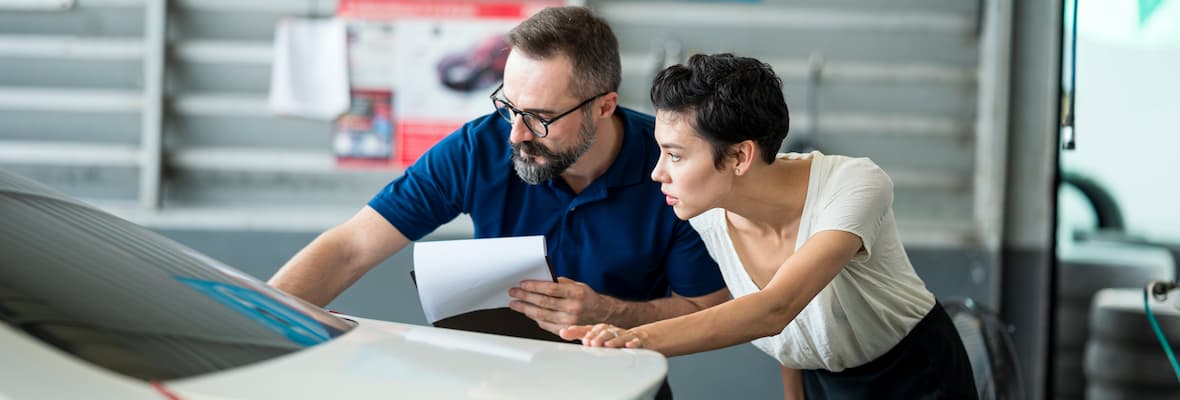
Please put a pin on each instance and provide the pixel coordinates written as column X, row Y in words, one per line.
column 581, row 165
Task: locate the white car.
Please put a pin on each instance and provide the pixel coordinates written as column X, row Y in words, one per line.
column 92, row 306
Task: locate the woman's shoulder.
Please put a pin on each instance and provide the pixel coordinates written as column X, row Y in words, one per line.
column 709, row 222
column 850, row 170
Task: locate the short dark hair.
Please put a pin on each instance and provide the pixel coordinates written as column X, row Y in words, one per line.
column 577, row 33
column 734, row 99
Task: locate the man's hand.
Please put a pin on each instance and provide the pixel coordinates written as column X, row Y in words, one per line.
column 556, row 305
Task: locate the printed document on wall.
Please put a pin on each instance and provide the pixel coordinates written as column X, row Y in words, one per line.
column 309, row 74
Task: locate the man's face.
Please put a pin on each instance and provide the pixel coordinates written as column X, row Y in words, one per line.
column 536, row 163
column 541, row 87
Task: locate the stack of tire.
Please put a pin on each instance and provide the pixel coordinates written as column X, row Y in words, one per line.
column 1124, row 359
column 1084, row 269
column 989, row 348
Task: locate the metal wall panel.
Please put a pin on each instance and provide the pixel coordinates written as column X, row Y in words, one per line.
column 895, row 81
column 70, row 82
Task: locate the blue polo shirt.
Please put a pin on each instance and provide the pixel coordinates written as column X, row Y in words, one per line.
column 617, row 235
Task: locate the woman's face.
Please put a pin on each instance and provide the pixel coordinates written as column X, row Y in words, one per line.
column 690, row 182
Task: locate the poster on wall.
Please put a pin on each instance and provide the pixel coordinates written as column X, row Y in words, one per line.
column 443, row 72
column 363, row 136
column 442, row 61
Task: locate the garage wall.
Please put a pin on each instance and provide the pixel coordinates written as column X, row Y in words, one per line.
column 158, row 109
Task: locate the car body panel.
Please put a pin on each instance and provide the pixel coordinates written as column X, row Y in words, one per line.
column 381, row 359
column 31, row 370
column 92, row 306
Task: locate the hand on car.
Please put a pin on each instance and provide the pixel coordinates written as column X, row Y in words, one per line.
column 556, row 305
column 603, row 335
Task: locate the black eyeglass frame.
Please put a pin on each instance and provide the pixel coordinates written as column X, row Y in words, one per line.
column 503, row 104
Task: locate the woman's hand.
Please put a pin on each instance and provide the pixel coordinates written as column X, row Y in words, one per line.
column 604, row 335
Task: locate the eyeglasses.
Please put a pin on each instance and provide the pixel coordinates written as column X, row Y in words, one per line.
column 537, row 124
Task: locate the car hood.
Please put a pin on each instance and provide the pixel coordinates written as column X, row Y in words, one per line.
column 385, row 360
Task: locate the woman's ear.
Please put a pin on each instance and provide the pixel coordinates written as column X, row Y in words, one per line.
column 744, row 155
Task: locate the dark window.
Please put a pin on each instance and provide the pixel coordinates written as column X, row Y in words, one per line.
column 117, row 295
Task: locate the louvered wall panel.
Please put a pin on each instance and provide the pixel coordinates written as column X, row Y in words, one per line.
column 896, row 81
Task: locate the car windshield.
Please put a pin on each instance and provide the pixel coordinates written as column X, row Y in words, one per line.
column 124, row 298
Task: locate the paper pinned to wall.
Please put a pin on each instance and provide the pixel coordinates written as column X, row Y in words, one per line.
column 309, row 75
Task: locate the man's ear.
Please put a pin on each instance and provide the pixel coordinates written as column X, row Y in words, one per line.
column 605, row 106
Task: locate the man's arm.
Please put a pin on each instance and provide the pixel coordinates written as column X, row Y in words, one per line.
column 339, row 257
column 568, row 302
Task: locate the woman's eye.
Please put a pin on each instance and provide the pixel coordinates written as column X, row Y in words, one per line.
column 674, row 157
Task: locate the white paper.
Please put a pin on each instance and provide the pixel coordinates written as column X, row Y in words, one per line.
column 370, row 54
column 459, row 276
column 309, row 76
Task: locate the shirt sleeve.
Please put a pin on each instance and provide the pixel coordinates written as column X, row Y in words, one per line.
column 856, row 199
column 431, row 191
column 691, row 271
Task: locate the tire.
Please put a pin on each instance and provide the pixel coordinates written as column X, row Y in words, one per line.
column 1073, row 326
column 1118, row 236
column 1118, row 316
column 1106, row 208
column 1089, row 267
column 1126, row 365
column 1084, row 271
column 1108, row 392
column 989, row 348
column 1069, row 378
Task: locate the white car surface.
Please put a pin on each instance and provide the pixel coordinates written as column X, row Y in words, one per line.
column 95, row 307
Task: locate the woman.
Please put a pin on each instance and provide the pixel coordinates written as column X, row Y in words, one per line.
column 807, row 245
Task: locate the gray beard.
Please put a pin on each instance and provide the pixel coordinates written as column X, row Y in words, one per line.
column 557, row 162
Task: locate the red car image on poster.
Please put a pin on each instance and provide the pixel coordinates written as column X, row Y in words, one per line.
column 446, row 57
column 479, row 68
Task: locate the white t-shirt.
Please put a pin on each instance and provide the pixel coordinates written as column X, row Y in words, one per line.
column 875, row 299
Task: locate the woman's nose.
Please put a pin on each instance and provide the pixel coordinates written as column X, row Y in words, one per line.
column 658, row 174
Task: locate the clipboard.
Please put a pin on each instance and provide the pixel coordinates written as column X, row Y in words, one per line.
column 499, row 320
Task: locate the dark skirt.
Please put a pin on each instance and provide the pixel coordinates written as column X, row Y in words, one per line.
column 929, row 363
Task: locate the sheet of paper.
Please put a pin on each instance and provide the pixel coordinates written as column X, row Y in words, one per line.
column 309, row 75
column 459, row 276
